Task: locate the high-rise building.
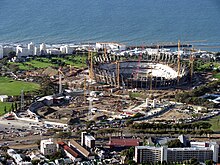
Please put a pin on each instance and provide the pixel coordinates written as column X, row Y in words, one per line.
column 1, row 52
column 22, row 51
column 43, row 49
column 31, row 48
column 36, row 51
column 7, row 50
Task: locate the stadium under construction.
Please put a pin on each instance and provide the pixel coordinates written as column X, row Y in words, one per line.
column 155, row 71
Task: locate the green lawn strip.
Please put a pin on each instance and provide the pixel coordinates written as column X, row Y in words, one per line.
column 39, row 64
column 2, row 107
column 13, row 88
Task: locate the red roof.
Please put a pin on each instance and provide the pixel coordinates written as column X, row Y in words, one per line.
column 68, row 149
column 124, row 142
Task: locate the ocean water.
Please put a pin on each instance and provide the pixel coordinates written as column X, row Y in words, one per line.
column 132, row 22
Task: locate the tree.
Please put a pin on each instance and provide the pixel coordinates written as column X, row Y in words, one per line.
column 5, row 109
column 16, row 106
column 209, row 162
column 174, row 144
column 12, row 107
column 35, row 161
column 193, row 161
column 11, row 54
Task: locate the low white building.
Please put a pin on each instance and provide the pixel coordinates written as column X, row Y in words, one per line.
column 17, row 157
column 53, row 51
column 3, row 98
column 110, row 45
column 48, row 147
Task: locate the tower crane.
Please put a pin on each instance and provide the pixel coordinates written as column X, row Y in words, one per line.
column 85, row 89
column 60, row 80
column 118, row 73
column 191, row 60
column 90, row 57
column 178, row 58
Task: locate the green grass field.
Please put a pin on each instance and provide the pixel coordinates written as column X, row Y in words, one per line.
column 76, row 61
column 13, row 88
column 2, row 107
column 215, row 121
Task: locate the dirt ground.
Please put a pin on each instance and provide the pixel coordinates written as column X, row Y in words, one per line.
column 172, row 115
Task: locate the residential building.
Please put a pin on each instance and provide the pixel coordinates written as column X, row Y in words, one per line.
column 145, row 154
column 22, row 51
column 43, row 49
column 37, row 51
column 7, row 50
column 31, row 48
column 87, row 140
column 18, row 158
column 48, row 147
column 1, row 52
column 53, row 51
column 66, row 49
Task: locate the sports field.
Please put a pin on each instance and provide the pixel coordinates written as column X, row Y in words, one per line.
column 13, row 88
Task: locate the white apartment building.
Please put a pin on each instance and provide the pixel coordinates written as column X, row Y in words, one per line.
column 66, row 49
column 31, row 48
column 6, row 50
column 37, row 51
column 53, row 51
column 89, row 141
column 145, row 154
column 1, row 52
column 43, row 49
column 22, row 51
column 47, row 147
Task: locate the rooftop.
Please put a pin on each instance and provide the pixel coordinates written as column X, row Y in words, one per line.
column 123, row 142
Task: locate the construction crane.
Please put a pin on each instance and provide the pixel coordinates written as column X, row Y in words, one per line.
column 105, row 53
column 149, row 75
column 90, row 57
column 60, row 80
column 178, row 58
column 118, row 73
column 138, row 66
column 85, row 89
column 191, row 60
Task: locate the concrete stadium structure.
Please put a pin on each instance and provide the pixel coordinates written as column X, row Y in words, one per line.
column 155, row 71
